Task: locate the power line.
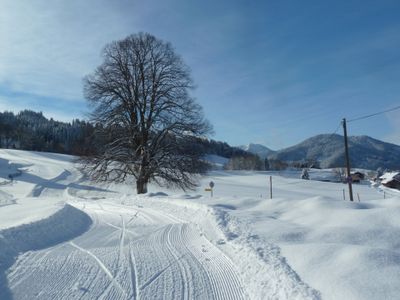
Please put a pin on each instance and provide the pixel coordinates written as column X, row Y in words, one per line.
column 374, row 114
column 327, row 141
column 323, row 145
column 336, row 130
column 330, row 136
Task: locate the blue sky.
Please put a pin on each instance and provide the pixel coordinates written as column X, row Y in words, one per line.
column 270, row 72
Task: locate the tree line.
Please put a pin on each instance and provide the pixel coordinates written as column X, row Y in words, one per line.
column 30, row 130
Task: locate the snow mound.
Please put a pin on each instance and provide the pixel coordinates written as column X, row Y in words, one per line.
column 65, row 224
column 327, row 241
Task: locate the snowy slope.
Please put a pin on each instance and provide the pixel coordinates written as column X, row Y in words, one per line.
column 129, row 251
column 105, row 242
column 344, row 250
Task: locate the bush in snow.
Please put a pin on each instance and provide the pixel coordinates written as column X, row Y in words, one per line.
column 305, row 175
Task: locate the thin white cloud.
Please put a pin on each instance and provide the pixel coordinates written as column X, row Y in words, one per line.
column 394, row 135
column 19, row 103
column 48, row 46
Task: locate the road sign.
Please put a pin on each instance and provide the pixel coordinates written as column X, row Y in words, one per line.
column 210, row 189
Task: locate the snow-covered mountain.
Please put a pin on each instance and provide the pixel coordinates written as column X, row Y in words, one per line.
column 365, row 152
column 258, row 149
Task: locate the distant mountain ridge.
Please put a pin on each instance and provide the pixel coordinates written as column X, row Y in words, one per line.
column 258, row 149
column 30, row 130
column 365, row 152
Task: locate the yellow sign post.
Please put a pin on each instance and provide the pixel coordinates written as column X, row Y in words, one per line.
column 211, row 187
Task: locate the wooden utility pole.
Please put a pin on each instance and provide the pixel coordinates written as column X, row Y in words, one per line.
column 270, row 187
column 346, row 148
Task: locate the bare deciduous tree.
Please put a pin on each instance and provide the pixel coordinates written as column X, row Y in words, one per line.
column 145, row 117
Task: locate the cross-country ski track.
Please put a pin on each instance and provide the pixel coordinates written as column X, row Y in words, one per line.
column 128, row 253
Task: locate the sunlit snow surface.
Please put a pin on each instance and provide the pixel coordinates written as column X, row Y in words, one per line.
column 63, row 237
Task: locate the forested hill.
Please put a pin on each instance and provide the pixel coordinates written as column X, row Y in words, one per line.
column 29, row 130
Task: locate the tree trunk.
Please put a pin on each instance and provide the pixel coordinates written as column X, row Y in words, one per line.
column 141, row 186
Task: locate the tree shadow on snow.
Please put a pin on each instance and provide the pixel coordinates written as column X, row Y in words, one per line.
column 53, row 183
column 39, row 182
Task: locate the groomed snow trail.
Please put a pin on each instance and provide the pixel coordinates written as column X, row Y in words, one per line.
column 103, row 242
column 129, row 252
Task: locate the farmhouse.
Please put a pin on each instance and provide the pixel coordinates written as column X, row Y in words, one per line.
column 391, row 180
column 357, row 177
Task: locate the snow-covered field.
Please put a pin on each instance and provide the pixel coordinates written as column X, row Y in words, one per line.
column 63, row 237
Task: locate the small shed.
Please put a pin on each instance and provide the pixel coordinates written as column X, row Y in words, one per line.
column 391, row 180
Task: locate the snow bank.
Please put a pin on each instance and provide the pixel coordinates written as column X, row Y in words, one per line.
column 306, row 236
column 346, row 250
column 27, row 210
column 264, row 271
column 65, row 224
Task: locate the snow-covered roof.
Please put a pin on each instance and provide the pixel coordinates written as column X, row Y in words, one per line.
column 389, row 176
